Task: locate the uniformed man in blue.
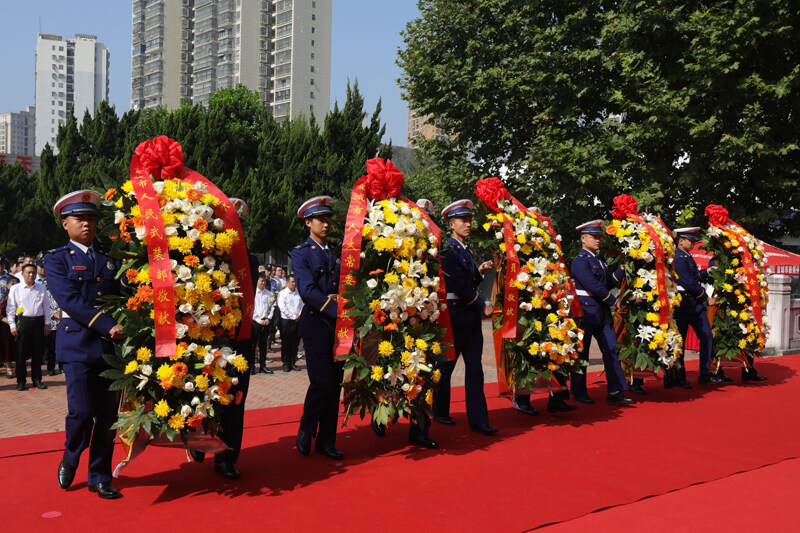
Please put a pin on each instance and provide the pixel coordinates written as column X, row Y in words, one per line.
column 232, row 423
column 316, row 270
column 461, row 279
column 77, row 275
column 593, row 284
column 692, row 311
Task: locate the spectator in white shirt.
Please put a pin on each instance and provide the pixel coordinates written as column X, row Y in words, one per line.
column 26, row 310
column 262, row 314
column 290, row 305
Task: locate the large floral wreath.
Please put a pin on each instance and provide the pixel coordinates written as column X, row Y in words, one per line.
column 535, row 336
column 647, row 335
column 740, row 288
column 181, row 243
column 389, row 330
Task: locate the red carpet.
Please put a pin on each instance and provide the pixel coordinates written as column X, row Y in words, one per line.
column 539, row 470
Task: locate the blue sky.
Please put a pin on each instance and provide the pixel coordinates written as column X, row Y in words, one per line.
column 365, row 39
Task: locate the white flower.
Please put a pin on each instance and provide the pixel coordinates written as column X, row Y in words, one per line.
column 371, row 284
column 225, row 267
column 234, row 381
column 195, row 400
column 193, row 234
column 184, row 274
column 180, row 330
column 158, row 186
column 209, row 261
column 186, row 308
column 203, row 321
column 141, row 233
column 146, row 370
column 186, row 411
column 208, row 358
column 218, row 223
column 118, row 216
column 225, row 292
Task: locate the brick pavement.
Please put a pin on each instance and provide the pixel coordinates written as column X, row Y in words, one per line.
column 43, row 411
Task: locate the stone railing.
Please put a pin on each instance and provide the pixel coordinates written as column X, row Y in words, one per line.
column 783, row 315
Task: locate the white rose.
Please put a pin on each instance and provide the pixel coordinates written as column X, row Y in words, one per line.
column 180, row 330
column 225, row 267
column 234, row 381
column 147, row 370
column 203, row 321
column 158, row 186
column 647, row 256
column 195, row 400
column 118, row 216
column 184, row 273
column 225, row 292
column 193, row 234
column 209, row 261
column 371, row 284
column 208, row 358
column 523, row 277
column 186, row 308
column 186, row 411
column 218, row 223
column 141, row 233
column 184, row 220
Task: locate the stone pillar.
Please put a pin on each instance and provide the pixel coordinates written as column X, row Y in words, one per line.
column 779, row 312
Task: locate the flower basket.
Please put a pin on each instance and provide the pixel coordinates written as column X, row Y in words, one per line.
column 647, row 335
column 535, row 337
column 738, row 321
column 189, row 299
column 392, row 324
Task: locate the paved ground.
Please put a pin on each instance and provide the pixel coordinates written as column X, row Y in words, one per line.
column 42, row 411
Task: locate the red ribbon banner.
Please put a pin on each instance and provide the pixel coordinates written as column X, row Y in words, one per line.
column 351, row 259
column 750, row 271
column 511, row 298
column 661, row 271
column 569, row 287
column 158, row 256
column 239, row 262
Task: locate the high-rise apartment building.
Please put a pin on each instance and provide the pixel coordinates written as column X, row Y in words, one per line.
column 17, row 132
column 70, row 73
column 419, row 126
column 189, row 49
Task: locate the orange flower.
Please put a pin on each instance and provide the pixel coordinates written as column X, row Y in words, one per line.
column 379, row 316
column 125, row 236
column 166, row 383
column 375, row 272
column 144, row 293
column 193, row 195
column 134, row 303
column 239, row 397
column 224, row 387
column 138, row 222
column 191, row 260
column 611, row 230
column 131, row 273
column 179, row 369
column 200, row 224
column 110, row 193
column 207, row 370
column 194, row 421
column 390, row 327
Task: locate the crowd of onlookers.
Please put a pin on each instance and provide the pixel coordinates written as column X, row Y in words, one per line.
column 29, row 318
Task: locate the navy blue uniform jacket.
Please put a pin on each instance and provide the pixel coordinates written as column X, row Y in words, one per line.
column 317, row 275
column 591, row 275
column 688, row 276
column 461, row 277
column 76, row 285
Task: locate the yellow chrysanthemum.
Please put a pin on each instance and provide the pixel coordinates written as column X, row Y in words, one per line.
column 162, row 408
column 385, row 348
column 409, row 341
column 176, row 421
column 127, row 187
column 201, row 382
column 421, row 344
column 144, row 354
column 377, row 373
column 131, row 367
column 219, row 277
column 429, row 397
column 436, row 348
column 437, row 375
column 164, row 372
column 240, row 363
column 207, row 240
column 391, row 277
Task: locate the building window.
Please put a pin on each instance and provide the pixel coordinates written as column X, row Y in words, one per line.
column 312, row 95
column 312, row 29
column 312, row 42
column 312, row 68
column 313, row 4
column 312, row 81
column 313, row 16
column 312, row 55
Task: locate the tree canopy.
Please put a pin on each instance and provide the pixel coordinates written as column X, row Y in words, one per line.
column 234, row 142
column 679, row 103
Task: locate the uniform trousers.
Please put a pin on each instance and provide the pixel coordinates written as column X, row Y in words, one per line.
column 92, row 410
column 30, row 343
column 468, row 343
column 290, row 340
column 321, row 406
column 420, row 427
column 233, row 414
column 702, row 329
column 607, row 340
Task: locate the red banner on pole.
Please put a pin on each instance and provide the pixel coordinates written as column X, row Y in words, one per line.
column 511, row 296
column 661, row 270
column 750, row 271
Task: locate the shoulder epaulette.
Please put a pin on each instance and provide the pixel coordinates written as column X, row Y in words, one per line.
column 59, row 249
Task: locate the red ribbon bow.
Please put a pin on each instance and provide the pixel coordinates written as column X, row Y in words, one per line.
column 384, row 180
column 161, row 157
column 717, row 215
column 624, row 205
column 490, row 191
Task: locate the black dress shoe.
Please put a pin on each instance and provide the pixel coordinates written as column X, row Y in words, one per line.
column 684, row 384
column 253, row 371
column 21, row 386
column 709, row 379
column 525, row 409
column 197, row 457
column 584, row 399
column 287, row 368
column 446, row 420
column 39, row 385
column 105, row 490
column 265, row 370
column 51, row 372
column 226, row 469
column 725, row 379
column 618, row 397
column 303, row 442
column 66, row 473
column 423, row 442
column 378, row 429
column 559, row 406
column 637, row 389
column 296, row 368
column 752, row 375
column 330, row 452
column 483, row 429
